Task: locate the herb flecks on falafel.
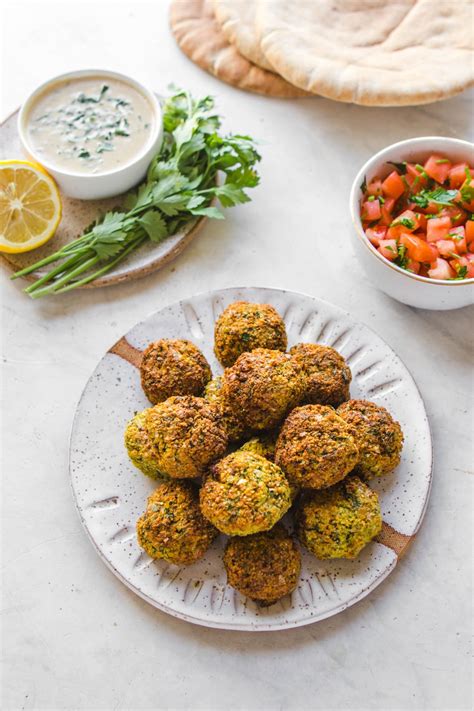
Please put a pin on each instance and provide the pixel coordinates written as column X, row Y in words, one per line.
column 244, row 326
column 327, row 374
column 140, row 447
column 173, row 527
column 315, row 447
column 262, row 387
column 188, row 435
column 338, row 522
column 244, row 494
column 379, row 437
column 236, row 429
column 173, row 367
column 265, row 566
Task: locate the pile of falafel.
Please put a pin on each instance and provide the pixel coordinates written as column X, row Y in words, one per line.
column 233, row 454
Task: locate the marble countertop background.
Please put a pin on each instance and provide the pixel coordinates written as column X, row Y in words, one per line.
column 74, row 637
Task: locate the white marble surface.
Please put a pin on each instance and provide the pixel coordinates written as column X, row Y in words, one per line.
column 74, row 637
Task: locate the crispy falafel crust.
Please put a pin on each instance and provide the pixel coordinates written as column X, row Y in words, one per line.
column 265, row 566
column 173, row 527
column 315, row 447
column 188, row 435
column 262, row 387
column 213, row 393
column 244, row 493
column 140, row 447
column 173, row 367
column 379, row 437
column 244, row 326
column 338, row 522
column 327, row 374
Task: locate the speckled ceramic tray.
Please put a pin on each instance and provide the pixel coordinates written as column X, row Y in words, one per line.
column 111, row 494
column 78, row 215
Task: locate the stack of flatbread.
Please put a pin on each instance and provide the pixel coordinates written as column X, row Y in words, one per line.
column 370, row 52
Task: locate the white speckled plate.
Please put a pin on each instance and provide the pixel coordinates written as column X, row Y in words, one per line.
column 111, row 494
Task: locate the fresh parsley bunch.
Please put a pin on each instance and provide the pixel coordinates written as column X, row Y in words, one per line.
column 180, row 186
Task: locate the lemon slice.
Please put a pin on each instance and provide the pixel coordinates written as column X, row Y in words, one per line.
column 30, row 206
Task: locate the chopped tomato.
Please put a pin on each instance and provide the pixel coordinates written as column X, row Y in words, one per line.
column 386, row 211
column 457, row 175
column 393, row 186
column 468, row 186
column 418, row 249
column 419, row 217
column 375, row 234
column 457, row 214
column 437, row 228
column 375, row 187
column 371, row 210
column 446, row 247
column 413, row 266
column 415, row 178
column 438, row 168
column 458, row 235
column 389, row 248
column 408, row 220
column 441, row 270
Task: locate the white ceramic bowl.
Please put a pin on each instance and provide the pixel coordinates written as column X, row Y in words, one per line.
column 96, row 186
column 398, row 283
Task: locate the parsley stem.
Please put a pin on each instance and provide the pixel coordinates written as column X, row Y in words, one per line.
column 54, row 272
column 52, row 288
column 104, row 269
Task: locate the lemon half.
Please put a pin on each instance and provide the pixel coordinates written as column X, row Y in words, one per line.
column 30, row 206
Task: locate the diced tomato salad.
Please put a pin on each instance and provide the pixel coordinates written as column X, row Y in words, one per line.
column 420, row 217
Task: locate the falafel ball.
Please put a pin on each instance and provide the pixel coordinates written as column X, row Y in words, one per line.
column 188, row 435
column 327, row 374
column 173, row 527
column 140, row 447
column 338, row 522
column 243, row 326
column 213, row 393
column 244, row 494
column 315, row 447
column 173, row 367
column 262, row 387
column 265, row 445
column 265, row 566
column 378, row 436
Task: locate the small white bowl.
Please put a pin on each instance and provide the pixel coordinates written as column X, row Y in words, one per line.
column 95, row 186
column 398, row 283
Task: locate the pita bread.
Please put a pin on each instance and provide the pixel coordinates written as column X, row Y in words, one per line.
column 371, row 52
column 200, row 38
column 237, row 19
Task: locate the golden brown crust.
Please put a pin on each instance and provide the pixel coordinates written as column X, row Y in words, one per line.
column 139, row 446
column 173, row 367
column 315, row 448
column 327, row 374
column 265, row 566
column 236, row 429
column 173, row 527
column 338, row 522
column 244, row 493
column 379, row 437
column 244, row 326
column 188, row 435
column 262, row 387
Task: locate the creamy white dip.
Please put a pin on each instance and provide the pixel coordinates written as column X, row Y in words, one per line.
column 90, row 125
